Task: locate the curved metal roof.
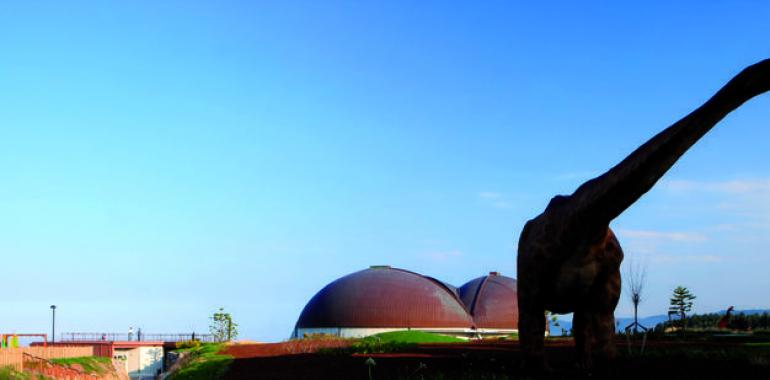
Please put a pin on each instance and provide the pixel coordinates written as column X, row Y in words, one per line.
column 382, row 296
column 492, row 300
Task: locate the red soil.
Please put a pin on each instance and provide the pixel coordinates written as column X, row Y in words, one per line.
column 292, row 347
column 498, row 360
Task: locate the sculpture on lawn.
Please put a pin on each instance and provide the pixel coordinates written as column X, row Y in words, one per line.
column 569, row 258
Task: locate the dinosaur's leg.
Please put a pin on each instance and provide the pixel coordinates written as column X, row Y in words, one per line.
column 531, row 332
column 604, row 334
column 603, row 318
column 582, row 328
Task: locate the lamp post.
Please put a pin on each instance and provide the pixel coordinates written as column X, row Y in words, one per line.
column 53, row 323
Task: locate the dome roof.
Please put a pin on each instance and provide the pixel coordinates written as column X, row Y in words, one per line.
column 492, row 301
column 382, row 296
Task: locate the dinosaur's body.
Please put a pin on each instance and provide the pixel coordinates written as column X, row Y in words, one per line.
column 722, row 324
column 569, row 259
column 587, row 282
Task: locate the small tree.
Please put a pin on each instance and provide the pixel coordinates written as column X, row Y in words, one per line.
column 637, row 278
column 681, row 303
column 222, row 326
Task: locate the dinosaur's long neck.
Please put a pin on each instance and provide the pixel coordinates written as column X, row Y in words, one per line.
column 602, row 199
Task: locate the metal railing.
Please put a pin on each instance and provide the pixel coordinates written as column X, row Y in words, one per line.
column 135, row 337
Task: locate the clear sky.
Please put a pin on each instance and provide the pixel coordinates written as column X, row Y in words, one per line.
column 162, row 159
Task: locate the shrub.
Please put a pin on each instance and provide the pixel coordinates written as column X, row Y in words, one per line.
column 320, row 336
column 187, row 344
column 314, row 343
column 377, row 345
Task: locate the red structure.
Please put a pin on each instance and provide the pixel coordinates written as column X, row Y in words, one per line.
column 722, row 324
column 381, row 297
column 105, row 349
column 5, row 338
column 492, row 301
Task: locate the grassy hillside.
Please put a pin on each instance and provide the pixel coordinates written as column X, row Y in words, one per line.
column 90, row 364
column 8, row 373
column 205, row 364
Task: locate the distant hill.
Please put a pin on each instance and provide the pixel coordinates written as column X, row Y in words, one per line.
column 748, row 312
column 648, row 322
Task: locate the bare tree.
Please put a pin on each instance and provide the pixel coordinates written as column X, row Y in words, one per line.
column 636, row 279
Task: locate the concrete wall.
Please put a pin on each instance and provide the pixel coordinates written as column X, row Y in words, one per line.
column 357, row 332
column 141, row 362
column 150, row 360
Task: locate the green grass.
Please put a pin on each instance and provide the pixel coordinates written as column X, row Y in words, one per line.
column 413, row 337
column 90, row 364
column 395, row 341
column 206, row 363
column 8, row 373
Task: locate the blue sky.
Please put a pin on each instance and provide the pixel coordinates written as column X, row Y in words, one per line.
column 162, row 159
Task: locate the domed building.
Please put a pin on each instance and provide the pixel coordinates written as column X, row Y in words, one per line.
column 381, row 299
column 492, row 301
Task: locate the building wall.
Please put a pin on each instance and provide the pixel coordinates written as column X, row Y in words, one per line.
column 343, row 332
column 128, row 356
column 141, row 362
column 150, row 361
column 356, row 332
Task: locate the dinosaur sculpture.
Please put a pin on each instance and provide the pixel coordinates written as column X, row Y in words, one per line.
column 722, row 324
column 569, row 258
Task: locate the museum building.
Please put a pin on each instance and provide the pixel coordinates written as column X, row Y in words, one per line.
column 381, row 299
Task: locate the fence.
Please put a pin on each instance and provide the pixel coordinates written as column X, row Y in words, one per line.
column 14, row 357
column 11, row 357
column 90, row 337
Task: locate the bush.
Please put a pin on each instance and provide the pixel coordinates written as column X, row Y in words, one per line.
column 738, row 321
column 311, row 343
column 187, row 344
column 320, row 336
column 377, row 345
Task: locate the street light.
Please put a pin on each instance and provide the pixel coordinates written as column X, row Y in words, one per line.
column 53, row 323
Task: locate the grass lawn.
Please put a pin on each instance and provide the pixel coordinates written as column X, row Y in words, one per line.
column 90, row 364
column 395, row 341
column 413, row 337
column 206, row 363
